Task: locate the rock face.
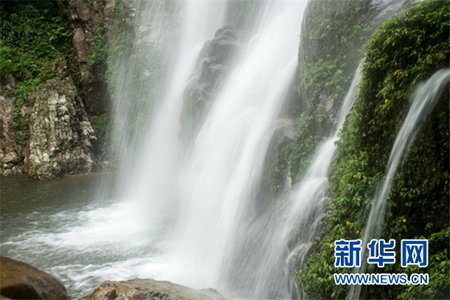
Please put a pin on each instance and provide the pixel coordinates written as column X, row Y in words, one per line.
column 88, row 18
column 19, row 280
column 200, row 92
column 149, row 289
column 60, row 132
column 9, row 156
column 56, row 131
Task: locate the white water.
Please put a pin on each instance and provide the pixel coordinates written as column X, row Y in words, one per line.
column 423, row 100
column 263, row 260
column 146, row 189
column 179, row 214
column 305, row 206
column 228, row 155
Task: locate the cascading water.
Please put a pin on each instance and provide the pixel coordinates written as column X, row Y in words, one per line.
column 423, row 101
column 272, row 262
column 180, row 212
column 183, row 216
column 157, row 163
column 228, row 154
column 113, row 241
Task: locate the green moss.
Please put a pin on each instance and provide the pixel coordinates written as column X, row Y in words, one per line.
column 404, row 51
column 331, row 32
column 102, row 127
column 135, row 73
column 34, row 38
column 98, row 52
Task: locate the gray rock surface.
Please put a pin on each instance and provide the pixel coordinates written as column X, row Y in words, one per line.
column 199, row 95
column 149, row 289
column 10, row 154
column 57, row 136
column 60, row 132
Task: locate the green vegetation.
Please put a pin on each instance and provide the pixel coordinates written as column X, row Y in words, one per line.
column 331, row 32
column 98, row 52
column 102, row 127
column 120, row 45
column 404, row 51
column 34, row 39
column 136, row 72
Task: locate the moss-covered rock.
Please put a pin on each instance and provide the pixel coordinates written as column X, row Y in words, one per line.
column 404, row 51
column 330, row 49
column 36, row 53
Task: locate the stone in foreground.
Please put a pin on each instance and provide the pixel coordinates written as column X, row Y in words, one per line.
column 149, row 289
column 19, row 280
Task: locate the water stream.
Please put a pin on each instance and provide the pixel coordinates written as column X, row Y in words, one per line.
column 188, row 216
column 221, row 176
column 300, row 217
column 423, row 100
column 175, row 214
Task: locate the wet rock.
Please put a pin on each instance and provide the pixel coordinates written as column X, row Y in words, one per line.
column 199, row 94
column 11, row 157
column 224, row 44
column 149, row 289
column 286, row 131
column 22, row 281
column 7, row 173
column 91, row 19
column 9, row 152
column 60, row 132
column 86, row 17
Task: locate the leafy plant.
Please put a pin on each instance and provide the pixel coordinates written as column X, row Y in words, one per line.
column 34, row 38
column 404, row 51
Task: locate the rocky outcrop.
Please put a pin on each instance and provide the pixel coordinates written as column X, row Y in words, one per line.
column 19, row 280
column 9, row 156
column 91, row 22
column 54, row 128
column 31, row 142
column 60, row 132
column 200, row 92
column 149, row 289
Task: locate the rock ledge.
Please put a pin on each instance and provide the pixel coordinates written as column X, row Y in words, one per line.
column 149, row 289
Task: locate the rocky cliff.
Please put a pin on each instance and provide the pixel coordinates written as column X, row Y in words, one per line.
column 54, row 99
column 91, row 23
column 403, row 51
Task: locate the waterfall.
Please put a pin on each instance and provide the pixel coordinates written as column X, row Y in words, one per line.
column 188, row 206
column 144, row 183
column 423, row 100
column 308, row 200
column 223, row 171
column 266, row 269
column 189, row 213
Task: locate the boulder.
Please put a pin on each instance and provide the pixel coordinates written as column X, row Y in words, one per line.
column 19, row 280
column 149, row 289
